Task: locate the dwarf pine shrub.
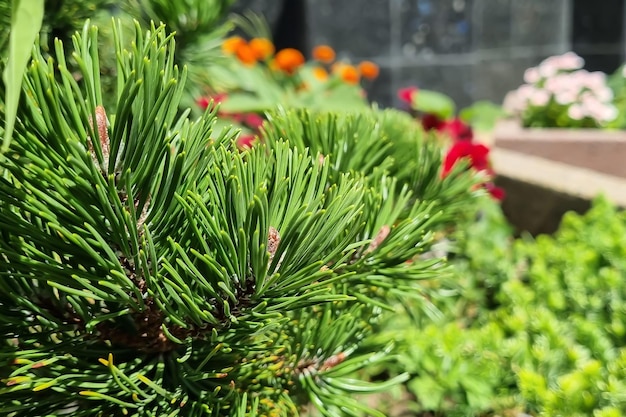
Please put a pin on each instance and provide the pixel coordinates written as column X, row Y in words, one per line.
column 149, row 268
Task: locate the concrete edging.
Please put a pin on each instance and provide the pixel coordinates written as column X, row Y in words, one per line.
column 547, row 172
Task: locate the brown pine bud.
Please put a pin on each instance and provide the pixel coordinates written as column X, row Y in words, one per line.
column 273, row 239
column 102, row 126
column 378, row 239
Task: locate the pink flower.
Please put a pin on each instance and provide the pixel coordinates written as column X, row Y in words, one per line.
column 565, row 97
column 569, row 61
column 576, row 112
column 540, row 98
column 548, row 68
column 406, row 94
column 561, row 82
column 605, row 113
column 609, row 113
column 531, row 75
column 604, row 93
column 595, row 79
column 526, row 91
column 512, row 102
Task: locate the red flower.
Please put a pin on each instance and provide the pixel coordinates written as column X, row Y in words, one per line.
column 245, row 141
column 476, row 152
column 496, row 192
column 219, row 97
column 406, row 94
column 204, row 101
column 253, row 120
column 456, row 129
column 432, row 121
column 478, row 159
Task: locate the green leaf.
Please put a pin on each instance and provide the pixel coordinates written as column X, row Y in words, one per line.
column 245, row 103
column 482, row 115
column 433, row 102
column 428, row 392
column 27, row 16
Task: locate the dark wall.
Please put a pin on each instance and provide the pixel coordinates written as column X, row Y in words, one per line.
column 598, row 33
column 468, row 49
column 286, row 18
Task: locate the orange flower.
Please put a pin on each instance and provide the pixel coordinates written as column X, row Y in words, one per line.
column 324, row 53
column 263, row 48
column 349, row 74
column 230, row 45
column 369, row 70
column 288, row 60
column 320, row 73
column 246, row 54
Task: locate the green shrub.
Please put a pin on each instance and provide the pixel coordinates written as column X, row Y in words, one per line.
column 527, row 324
column 150, row 268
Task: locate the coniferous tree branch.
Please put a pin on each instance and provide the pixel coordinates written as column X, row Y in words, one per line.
column 149, row 268
column 376, row 143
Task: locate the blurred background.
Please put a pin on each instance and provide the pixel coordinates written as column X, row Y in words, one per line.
column 468, row 49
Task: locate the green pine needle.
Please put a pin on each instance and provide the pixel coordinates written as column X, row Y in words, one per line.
column 149, row 268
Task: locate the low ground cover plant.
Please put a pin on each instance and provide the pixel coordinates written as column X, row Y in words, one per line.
column 527, row 325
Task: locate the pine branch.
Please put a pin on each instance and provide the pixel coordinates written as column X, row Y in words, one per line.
column 376, row 143
column 149, row 268
column 199, row 27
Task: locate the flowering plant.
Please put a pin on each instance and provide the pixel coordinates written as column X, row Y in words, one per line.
column 256, row 78
column 436, row 112
column 617, row 82
column 560, row 93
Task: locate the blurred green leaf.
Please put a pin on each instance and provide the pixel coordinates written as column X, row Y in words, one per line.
column 428, row 392
column 482, row 115
column 245, row 103
column 433, row 102
column 26, row 18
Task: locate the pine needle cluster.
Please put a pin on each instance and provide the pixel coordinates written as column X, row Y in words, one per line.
column 149, row 268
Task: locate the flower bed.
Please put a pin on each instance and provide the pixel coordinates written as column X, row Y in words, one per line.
column 595, row 149
column 563, row 146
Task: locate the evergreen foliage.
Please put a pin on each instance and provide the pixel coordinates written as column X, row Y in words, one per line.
column 199, row 26
column 378, row 143
column 149, row 268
